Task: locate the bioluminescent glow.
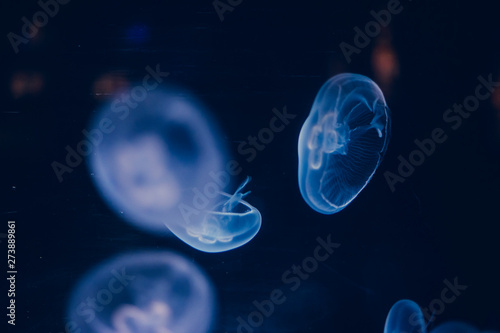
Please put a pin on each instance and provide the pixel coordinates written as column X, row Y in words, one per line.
column 156, row 151
column 160, row 165
column 458, row 327
column 143, row 292
column 231, row 223
column 405, row 316
column 342, row 142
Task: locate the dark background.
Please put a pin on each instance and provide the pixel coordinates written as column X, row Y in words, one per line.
column 439, row 224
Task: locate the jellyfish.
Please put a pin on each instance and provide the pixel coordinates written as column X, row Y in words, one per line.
column 231, row 223
column 342, row 142
column 143, row 292
column 405, row 316
column 160, row 164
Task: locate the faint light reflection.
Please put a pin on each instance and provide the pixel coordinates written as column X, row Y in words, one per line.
column 26, row 83
column 108, row 84
column 385, row 62
column 495, row 99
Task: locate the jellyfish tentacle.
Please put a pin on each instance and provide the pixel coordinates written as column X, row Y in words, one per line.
column 223, row 227
column 236, row 197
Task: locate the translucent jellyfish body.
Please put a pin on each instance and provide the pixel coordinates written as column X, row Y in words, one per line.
column 159, row 163
column 342, row 142
column 143, row 292
column 231, row 223
column 405, row 316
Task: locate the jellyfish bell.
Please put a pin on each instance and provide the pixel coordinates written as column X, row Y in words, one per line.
column 342, row 142
column 405, row 316
column 149, row 291
column 155, row 151
column 160, row 166
column 231, row 223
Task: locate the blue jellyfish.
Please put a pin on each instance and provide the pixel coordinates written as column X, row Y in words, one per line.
column 143, row 292
column 159, row 163
column 231, row 223
column 457, row 327
column 405, row 316
column 342, row 142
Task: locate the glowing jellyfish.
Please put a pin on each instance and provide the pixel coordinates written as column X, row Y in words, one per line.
column 159, row 164
column 145, row 292
column 342, row 142
column 231, row 223
column 405, row 316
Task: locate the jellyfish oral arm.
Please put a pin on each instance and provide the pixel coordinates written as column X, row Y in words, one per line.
column 236, row 197
column 224, row 227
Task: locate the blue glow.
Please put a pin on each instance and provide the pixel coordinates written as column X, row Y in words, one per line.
column 138, row 33
column 143, row 292
column 161, row 168
column 405, row 316
column 457, row 327
column 342, row 142
column 231, row 223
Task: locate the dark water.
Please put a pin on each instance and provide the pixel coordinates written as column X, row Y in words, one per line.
column 440, row 223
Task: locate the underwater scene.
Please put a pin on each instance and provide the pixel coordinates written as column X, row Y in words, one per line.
column 237, row 166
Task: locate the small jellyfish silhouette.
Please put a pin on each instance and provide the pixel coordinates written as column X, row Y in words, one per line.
column 159, row 164
column 342, row 142
column 145, row 292
column 231, row 223
column 405, row 316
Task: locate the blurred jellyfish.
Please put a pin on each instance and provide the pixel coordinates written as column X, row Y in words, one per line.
column 160, row 163
column 143, row 292
column 342, row 142
column 405, row 316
